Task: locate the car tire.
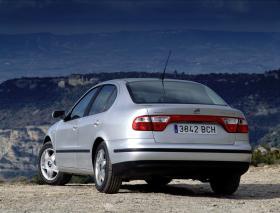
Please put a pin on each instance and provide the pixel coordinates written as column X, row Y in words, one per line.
column 157, row 182
column 105, row 179
column 47, row 166
column 225, row 185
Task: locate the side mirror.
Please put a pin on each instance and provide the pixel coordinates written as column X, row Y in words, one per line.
column 58, row 114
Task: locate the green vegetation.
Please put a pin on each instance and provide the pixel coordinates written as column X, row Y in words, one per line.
column 266, row 156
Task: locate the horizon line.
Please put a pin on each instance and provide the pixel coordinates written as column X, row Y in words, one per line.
column 157, row 72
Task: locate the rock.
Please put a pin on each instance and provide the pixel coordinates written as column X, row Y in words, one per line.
column 275, row 150
column 262, row 150
column 19, row 149
column 61, row 84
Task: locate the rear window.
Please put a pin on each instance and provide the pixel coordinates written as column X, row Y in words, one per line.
column 172, row 92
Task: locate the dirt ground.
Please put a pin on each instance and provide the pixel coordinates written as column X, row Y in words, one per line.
column 259, row 192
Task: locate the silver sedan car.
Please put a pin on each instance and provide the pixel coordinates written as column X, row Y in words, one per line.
column 148, row 129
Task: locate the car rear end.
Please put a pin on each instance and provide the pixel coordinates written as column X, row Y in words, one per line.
column 181, row 129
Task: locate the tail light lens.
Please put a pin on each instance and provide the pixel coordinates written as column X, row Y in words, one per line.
column 160, row 122
column 230, row 124
column 242, row 126
column 142, row 123
column 236, row 125
column 150, row 123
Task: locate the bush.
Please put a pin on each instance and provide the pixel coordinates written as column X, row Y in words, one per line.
column 270, row 157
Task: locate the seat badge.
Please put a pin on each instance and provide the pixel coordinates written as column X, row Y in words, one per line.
column 196, row 111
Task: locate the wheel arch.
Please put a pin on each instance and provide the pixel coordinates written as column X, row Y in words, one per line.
column 47, row 139
column 97, row 141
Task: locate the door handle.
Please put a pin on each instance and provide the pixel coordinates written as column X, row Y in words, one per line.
column 75, row 128
column 96, row 123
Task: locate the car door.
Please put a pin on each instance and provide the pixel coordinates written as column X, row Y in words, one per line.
column 67, row 132
column 89, row 125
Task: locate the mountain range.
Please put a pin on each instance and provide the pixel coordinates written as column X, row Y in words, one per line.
column 194, row 51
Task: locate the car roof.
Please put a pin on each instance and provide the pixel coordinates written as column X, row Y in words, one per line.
column 128, row 80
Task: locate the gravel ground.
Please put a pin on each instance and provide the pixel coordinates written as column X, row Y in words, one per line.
column 259, row 192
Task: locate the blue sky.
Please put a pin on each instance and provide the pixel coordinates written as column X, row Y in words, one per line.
column 35, row 55
column 83, row 16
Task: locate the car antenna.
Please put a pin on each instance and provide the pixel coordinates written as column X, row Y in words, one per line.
column 166, row 63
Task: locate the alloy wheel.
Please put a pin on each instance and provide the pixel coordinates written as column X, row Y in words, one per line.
column 48, row 164
column 100, row 167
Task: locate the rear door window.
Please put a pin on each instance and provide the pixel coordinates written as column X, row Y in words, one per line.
column 104, row 99
column 80, row 109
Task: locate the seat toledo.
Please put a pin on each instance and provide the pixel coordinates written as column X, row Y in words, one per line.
column 148, row 129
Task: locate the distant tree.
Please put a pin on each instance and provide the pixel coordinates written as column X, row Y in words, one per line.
column 175, row 74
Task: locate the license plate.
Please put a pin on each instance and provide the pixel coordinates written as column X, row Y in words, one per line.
column 202, row 129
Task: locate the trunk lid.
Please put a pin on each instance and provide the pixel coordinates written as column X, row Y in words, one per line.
column 169, row 134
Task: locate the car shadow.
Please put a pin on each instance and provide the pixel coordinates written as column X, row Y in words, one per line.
column 245, row 191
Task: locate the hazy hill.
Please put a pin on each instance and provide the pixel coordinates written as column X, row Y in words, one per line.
column 194, row 51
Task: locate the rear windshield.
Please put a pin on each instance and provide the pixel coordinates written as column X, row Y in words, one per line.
column 172, row 92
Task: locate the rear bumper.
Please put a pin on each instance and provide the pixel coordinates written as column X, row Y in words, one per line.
column 181, row 154
column 147, row 150
column 202, row 170
column 133, row 159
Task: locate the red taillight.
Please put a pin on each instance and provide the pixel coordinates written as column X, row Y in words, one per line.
column 236, row 125
column 160, row 122
column 142, row 123
column 242, row 126
column 230, row 124
column 150, row 123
